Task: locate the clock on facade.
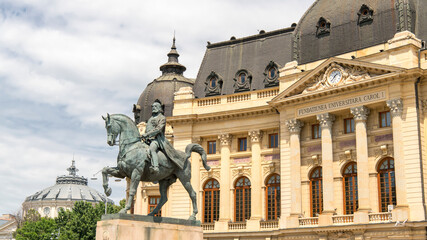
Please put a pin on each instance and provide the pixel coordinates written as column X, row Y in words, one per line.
column 335, row 77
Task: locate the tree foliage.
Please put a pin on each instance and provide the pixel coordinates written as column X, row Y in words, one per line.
column 77, row 224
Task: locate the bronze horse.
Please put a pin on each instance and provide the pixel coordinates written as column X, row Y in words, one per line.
column 133, row 162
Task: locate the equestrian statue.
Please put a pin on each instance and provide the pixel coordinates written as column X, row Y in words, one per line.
column 150, row 157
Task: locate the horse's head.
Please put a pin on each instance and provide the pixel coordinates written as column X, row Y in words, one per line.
column 113, row 129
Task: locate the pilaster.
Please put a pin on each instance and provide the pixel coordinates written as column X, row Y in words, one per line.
column 361, row 114
column 401, row 212
column 224, row 203
column 326, row 121
column 255, row 137
column 294, row 126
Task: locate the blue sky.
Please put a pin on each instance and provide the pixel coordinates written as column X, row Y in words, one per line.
column 63, row 64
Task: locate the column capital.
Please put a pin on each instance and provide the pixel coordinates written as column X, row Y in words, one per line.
column 294, row 125
column 360, row 113
column 326, row 120
column 224, row 139
column 255, row 135
column 396, row 107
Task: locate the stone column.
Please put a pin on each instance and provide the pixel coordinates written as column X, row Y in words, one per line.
column 360, row 115
column 294, row 127
column 326, row 121
column 224, row 202
column 396, row 110
column 256, row 174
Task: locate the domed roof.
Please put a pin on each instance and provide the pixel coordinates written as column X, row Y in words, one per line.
column 69, row 187
column 163, row 87
column 333, row 27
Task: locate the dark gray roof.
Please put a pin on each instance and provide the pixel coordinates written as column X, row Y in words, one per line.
column 346, row 34
column 252, row 53
column 163, row 87
column 69, row 187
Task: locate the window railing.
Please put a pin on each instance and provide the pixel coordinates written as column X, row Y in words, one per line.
column 236, row 225
column 380, row 217
column 239, row 98
column 268, row 93
column 311, row 221
column 342, row 219
column 269, row 224
column 208, row 226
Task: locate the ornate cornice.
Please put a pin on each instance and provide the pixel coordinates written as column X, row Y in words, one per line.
column 396, row 107
column 294, row 125
column 360, row 113
column 326, row 120
column 224, row 139
column 255, row 135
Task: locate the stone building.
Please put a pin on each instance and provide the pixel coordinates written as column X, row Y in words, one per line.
column 316, row 131
column 68, row 190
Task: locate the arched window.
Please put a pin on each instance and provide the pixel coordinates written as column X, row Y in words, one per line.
column 211, row 201
column 242, row 199
column 386, row 184
column 316, row 192
column 351, row 202
column 272, row 194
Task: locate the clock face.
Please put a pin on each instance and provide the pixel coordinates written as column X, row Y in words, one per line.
column 335, row 77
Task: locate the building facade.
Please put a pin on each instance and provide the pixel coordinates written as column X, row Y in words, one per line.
column 316, row 131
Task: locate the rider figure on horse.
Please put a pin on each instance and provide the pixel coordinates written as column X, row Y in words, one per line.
column 154, row 136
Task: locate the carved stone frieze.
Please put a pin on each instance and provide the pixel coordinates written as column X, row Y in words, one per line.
column 269, row 169
column 326, row 120
column 349, row 75
column 255, row 135
column 224, row 139
column 360, row 113
column 396, row 107
column 214, row 173
column 294, row 125
column 347, row 155
column 383, row 150
column 240, row 171
column 197, row 140
column 347, row 235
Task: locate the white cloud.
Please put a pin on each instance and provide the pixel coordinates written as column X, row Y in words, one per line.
column 64, row 63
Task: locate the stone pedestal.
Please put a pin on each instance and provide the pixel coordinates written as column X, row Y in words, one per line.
column 129, row 227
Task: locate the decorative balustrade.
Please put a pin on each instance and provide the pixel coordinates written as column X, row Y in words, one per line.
column 269, row 224
column 208, row 102
column 311, row 221
column 236, row 225
column 342, row 219
column 379, row 217
column 208, row 226
column 269, row 93
column 238, row 98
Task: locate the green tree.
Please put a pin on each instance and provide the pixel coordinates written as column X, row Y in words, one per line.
column 32, row 216
column 80, row 223
column 42, row 229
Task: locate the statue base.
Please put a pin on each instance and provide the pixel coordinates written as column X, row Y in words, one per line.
column 128, row 226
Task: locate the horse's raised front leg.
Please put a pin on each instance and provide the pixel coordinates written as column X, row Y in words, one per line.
column 134, row 181
column 115, row 172
column 163, row 188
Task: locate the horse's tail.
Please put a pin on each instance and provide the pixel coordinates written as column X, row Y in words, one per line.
column 194, row 147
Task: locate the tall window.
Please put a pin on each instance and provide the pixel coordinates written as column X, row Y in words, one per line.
column 386, row 184
column 152, row 203
column 351, row 202
column 211, row 201
column 211, row 147
column 316, row 131
column 316, row 192
column 273, row 197
column 243, row 144
column 385, row 119
column 273, row 140
column 242, row 199
column 349, row 125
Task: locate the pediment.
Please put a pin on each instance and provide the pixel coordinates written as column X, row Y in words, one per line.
column 335, row 73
